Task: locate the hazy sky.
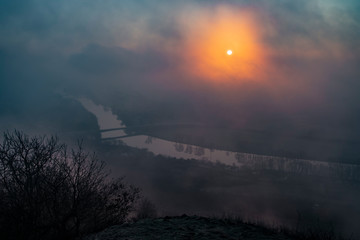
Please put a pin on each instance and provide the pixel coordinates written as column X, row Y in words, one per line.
column 294, row 63
column 294, row 72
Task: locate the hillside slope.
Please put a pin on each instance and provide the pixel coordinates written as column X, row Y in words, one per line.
column 186, row 227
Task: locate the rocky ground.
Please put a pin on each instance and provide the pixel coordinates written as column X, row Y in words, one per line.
column 187, row 227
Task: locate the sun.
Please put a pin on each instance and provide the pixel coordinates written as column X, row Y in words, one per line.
column 225, row 44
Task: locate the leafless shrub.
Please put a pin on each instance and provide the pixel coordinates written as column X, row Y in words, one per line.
column 48, row 192
column 146, row 209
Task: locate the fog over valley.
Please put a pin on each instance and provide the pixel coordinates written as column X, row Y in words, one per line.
column 245, row 109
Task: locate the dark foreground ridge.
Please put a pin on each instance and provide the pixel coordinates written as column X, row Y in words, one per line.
column 187, row 227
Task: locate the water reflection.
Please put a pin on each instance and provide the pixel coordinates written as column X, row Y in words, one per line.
column 238, row 183
column 113, row 131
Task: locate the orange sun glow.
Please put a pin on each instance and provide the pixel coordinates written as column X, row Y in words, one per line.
column 225, row 30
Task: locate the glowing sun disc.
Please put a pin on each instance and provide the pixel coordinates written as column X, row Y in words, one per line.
column 229, row 52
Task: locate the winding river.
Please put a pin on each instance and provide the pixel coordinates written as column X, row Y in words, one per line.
column 112, row 132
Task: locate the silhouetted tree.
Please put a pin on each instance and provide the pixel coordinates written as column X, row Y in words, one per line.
column 48, row 192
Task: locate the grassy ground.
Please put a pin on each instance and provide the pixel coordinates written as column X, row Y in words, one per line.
column 185, row 227
column 194, row 227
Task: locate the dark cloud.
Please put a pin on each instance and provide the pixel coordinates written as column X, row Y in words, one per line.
column 14, row 8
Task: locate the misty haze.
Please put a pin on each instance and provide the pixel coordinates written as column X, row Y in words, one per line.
column 240, row 111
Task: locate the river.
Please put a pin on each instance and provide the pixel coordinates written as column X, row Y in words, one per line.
column 113, row 132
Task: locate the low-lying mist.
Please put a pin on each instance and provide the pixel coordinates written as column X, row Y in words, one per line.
column 290, row 89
